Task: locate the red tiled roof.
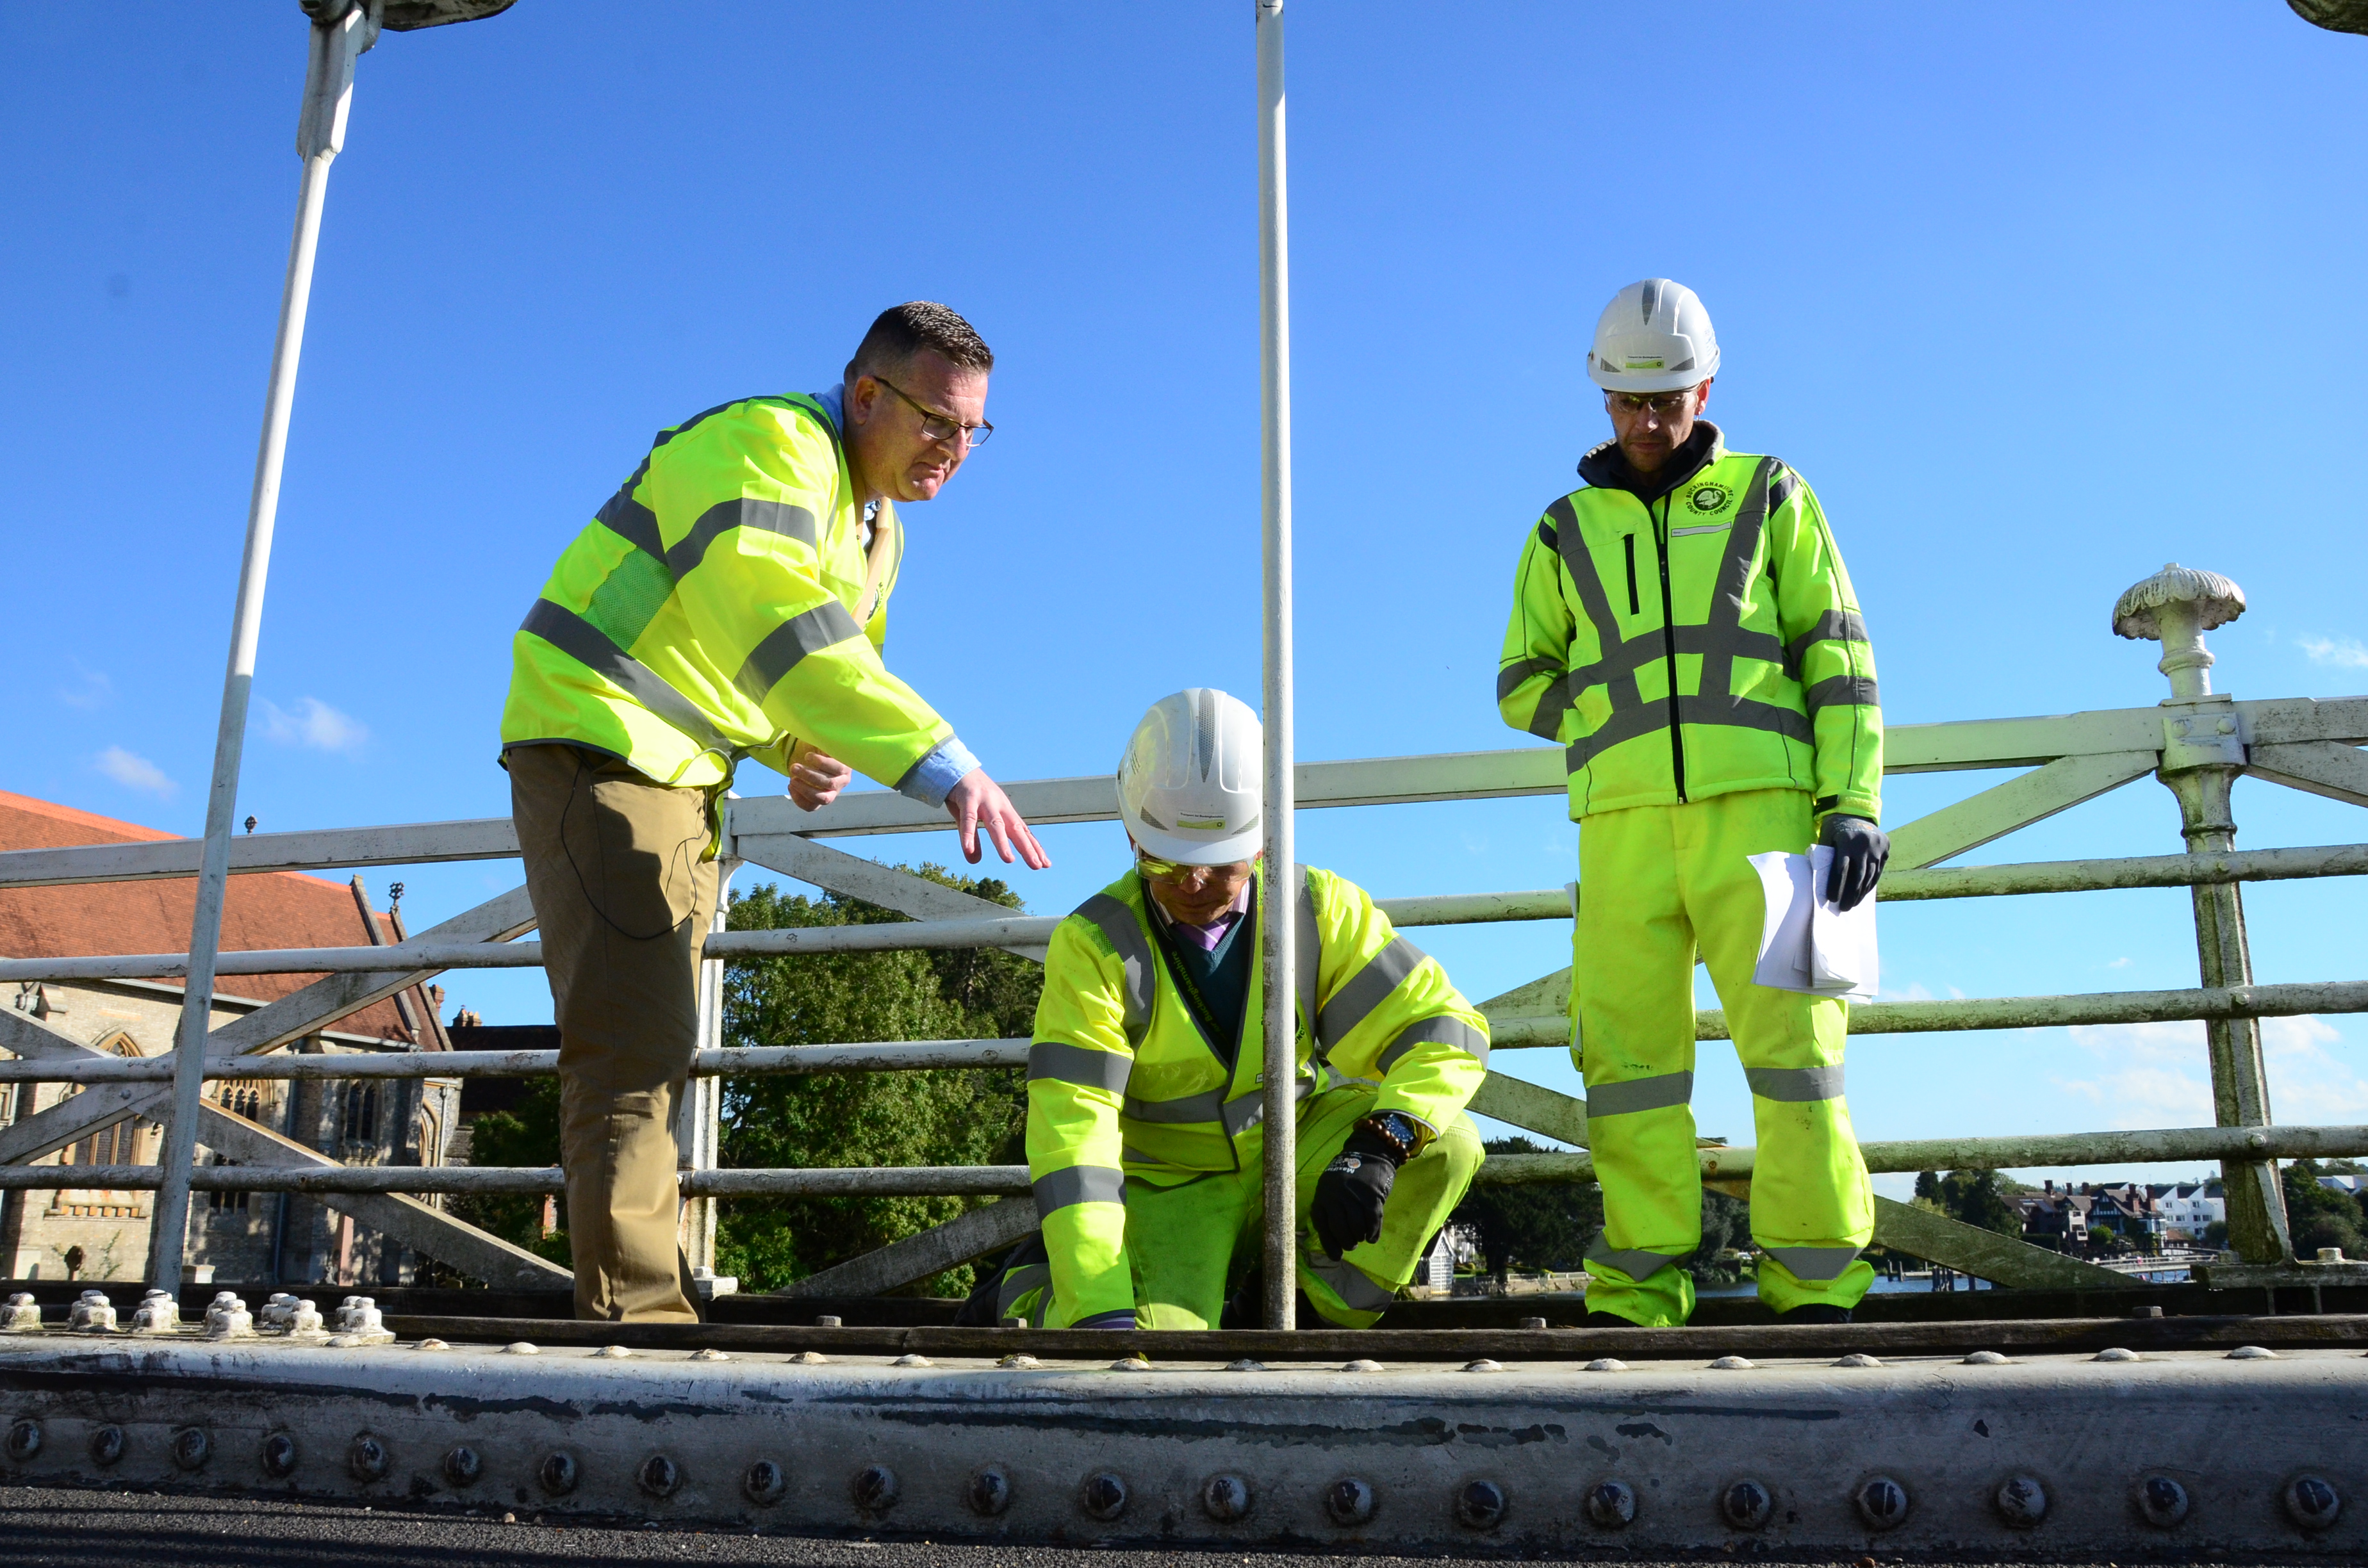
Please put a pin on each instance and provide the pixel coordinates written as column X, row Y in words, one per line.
column 267, row 909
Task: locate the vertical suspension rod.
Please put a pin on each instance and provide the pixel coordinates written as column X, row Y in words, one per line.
column 1276, row 924
column 320, row 133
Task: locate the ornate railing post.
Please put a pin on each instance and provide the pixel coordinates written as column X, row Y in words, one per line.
column 2203, row 753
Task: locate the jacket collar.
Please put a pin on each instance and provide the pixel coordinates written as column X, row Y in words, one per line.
column 1607, row 468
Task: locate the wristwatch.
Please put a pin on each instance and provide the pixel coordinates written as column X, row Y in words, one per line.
column 1400, row 1131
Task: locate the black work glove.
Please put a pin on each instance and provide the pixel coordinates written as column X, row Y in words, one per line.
column 1347, row 1209
column 1859, row 849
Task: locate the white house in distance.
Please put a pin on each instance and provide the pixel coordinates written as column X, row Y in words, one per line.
column 2188, row 1206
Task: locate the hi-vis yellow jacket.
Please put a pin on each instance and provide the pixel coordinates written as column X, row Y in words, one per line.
column 1122, row 1079
column 1704, row 644
column 705, row 614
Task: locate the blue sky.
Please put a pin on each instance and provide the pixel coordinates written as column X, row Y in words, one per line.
column 2038, row 299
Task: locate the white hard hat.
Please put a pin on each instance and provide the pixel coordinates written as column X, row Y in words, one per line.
column 1654, row 336
column 1189, row 785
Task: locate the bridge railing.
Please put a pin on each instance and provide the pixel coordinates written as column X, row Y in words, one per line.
column 2197, row 743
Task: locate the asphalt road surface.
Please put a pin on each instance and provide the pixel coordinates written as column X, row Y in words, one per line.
column 144, row 1530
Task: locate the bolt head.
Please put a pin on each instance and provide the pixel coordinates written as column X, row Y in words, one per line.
column 766, row 1482
column 1350, row 1501
column 463, row 1465
column 1612, row 1505
column 191, row 1447
column 658, row 1476
column 2159, row 1501
column 1481, row 1505
column 1882, row 1502
column 989, row 1491
column 1102, row 1495
column 2022, row 1501
column 368, row 1459
column 24, row 1440
column 558, row 1473
column 279, row 1454
column 2312, row 1502
column 1746, row 1505
column 874, row 1488
column 107, row 1445
column 1225, row 1498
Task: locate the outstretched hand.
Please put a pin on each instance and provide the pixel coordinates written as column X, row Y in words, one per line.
column 1860, row 850
column 979, row 803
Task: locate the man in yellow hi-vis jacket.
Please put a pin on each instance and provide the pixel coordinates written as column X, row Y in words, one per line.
column 1144, row 1109
column 1684, row 626
column 730, row 600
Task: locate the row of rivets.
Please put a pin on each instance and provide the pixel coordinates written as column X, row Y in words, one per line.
column 2309, row 1501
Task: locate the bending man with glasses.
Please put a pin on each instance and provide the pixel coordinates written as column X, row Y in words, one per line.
column 1684, row 626
column 729, row 601
column 1144, row 1136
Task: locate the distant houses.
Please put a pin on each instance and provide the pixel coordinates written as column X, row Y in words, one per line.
column 2143, row 1216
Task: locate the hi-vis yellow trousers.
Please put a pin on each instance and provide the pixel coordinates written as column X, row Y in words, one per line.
column 1656, row 884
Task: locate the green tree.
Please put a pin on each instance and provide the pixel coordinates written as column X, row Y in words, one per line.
column 527, row 1136
column 1541, row 1225
column 941, row 1117
column 2321, row 1216
column 1549, row 1225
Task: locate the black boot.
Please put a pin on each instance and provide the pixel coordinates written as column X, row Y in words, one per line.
column 1610, row 1320
column 1816, row 1312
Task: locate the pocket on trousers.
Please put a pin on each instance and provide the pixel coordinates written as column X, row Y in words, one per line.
column 636, row 849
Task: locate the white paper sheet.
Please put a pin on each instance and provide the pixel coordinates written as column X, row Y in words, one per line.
column 1806, row 944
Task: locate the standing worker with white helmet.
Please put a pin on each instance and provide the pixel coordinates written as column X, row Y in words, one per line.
column 1144, row 1098
column 1684, row 626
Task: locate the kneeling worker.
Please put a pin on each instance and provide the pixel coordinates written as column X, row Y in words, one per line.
column 1143, row 1102
column 1682, row 625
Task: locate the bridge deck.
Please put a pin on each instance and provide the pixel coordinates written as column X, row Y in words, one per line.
column 1789, row 1448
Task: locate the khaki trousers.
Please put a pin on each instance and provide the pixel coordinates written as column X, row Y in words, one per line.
column 623, row 891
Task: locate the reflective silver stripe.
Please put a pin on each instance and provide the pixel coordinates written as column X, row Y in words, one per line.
column 1441, row 1030
column 808, row 632
column 1368, row 989
column 1737, row 642
column 1308, row 952
column 1619, row 672
column 1833, row 626
column 1634, row 1262
column 1117, row 922
column 1245, row 1111
column 1726, row 616
column 1781, row 491
column 629, row 521
column 1017, row 1283
column 1509, row 678
column 1134, row 1156
column 1814, row 1263
column 1356, row 1289
column 1702, row 528
column 1797, row 1085
column 1639, row 1094
column 1078, row 1064
column 1843, row 691
column 743, row 512
column 1206, row 1105
column 1078, row 1184
column 591, row 647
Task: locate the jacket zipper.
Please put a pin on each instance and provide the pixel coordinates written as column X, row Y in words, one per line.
column 1629, row 543
column 1669, row 646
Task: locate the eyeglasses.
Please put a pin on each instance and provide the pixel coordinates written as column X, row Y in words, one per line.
column 1664, row 405
column 1177, row 875
column 943, row 428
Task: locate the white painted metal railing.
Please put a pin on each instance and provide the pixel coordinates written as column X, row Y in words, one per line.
column 2310, row 745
